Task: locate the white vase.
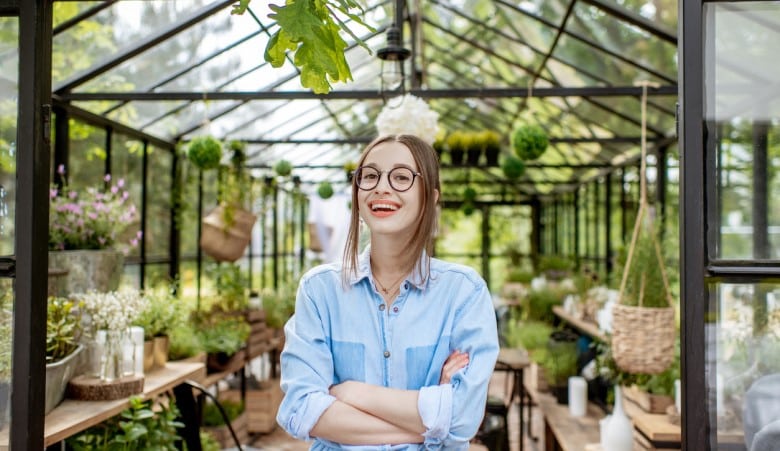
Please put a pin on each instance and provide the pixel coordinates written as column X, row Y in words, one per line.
column 617, row 434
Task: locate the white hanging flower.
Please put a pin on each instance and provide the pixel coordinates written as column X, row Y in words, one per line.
column 411, row 117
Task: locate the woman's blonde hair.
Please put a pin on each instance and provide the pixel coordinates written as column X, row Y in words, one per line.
column 422, row 239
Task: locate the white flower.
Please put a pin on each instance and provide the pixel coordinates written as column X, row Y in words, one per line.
column 115, row 310
column 411, row 117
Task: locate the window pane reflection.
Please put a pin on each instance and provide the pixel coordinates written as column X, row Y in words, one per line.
column 743, row 364
column 742, row 111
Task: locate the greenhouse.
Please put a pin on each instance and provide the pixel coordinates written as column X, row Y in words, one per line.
column 179, row 170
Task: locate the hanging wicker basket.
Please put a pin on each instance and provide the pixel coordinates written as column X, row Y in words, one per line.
column 226, row 244
column 643, row 338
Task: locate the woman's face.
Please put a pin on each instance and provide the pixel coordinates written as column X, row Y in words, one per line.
column 385, row 210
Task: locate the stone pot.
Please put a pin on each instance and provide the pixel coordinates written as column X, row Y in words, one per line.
column 94, row 269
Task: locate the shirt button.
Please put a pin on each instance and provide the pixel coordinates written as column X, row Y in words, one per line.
column 387, row 354
column 395, row 309
column 382, row 307
column 406, row 285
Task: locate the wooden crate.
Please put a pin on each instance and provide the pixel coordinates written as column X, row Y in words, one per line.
column 222, row 433
column 648, row 402
column 261, row 405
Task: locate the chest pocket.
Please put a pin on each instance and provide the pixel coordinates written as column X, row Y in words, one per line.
column 349, row 360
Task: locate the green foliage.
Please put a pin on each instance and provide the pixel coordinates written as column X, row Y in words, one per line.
column 520, row 275
column 6, row 335
column 139, row 427
column 469, row 193
column 489, row 140
column 555, row 263
column 560, row 363
column 658, row 384
column 311, row 29
column 183, row 342
column 207, row 441
column 278, row 305
column 325, row 190
column 512, row 167
column 283, row 168
column 530, row 335
column 644, row 283
column 221, row 332
column 458, row 141
column 161, row 314
column 529, row 142
column 232, row 285
column 539, row 304
column 205, row 152
column 63, row 328
column 212, row 416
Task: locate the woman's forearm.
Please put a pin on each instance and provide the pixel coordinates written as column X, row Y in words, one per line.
column 343, row 423
column 395, row 406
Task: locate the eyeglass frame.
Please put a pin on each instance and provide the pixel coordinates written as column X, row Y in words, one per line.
column 357, row 171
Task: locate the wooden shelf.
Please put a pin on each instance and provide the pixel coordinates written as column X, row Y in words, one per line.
column 72, row 416
column 585, row 327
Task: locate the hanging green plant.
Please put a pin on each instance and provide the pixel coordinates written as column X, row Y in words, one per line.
column 325, row 190
column 283, row 168
column 512, row 167
column 468, row 208
column 205, row 152
column 469, row 193
column 529, row 142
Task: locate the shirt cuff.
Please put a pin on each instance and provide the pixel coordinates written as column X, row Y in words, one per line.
column 435, row 406
column 300, row 426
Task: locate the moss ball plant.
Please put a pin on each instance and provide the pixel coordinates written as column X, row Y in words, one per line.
column 205, row 152
column 325, row 190
column 512, row 167
column 283, row 168
column 529, row 142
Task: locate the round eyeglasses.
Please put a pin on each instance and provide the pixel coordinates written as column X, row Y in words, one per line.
column 400, row 178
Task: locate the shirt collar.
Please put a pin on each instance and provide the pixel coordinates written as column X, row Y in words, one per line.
column 418, row 278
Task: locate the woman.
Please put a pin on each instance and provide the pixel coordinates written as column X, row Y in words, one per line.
column 390, row 347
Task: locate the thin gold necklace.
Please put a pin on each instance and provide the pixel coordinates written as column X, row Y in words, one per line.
column 387, row 290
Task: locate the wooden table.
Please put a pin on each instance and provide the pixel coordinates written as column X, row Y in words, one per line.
column 515, row 360
column 586, row 327
column 563, row 432
column 73, row 416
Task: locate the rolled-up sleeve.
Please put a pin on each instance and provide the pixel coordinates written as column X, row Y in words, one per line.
column 306, row 367
column 453, row 412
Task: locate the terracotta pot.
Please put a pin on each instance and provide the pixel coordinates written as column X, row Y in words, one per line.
column 160, row 351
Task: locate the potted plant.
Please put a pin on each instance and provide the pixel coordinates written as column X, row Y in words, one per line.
column 555, row 267
column 63, row 331
column 279, row 306
column 529, row 142
column 85, row 233
column 283, row 168
column 457, row 144
column 474, row 148
column 221, row 336
column 533, row 336
column 205, row 152
column 643, row 323
column 560, row 363
column 491, row 143
column 161, row 314
column 227, row 229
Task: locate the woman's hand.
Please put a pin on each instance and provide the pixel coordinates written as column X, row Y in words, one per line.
column 454, row 363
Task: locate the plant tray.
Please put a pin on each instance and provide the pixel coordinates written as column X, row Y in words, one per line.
column 222, row 434
column 87, row 388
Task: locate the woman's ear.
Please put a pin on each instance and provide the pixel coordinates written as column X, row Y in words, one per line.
column 435, row 196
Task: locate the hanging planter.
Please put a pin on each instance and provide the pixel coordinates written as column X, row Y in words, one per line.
column 325, row 190
column 223, row 241
column 456, row 143
column 512, row 167
column 491, row 142
column 205, row 152
column 643, row 326
column 529, row 142
column 283, row 168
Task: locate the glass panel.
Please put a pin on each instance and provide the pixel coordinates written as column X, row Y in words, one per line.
column 9, row 107
column 87, row 159
column 127, row 167
column 158, row 208
column 742, row 113
column 743, row 362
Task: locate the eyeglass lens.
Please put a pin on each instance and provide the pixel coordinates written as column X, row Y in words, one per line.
column 401, row 179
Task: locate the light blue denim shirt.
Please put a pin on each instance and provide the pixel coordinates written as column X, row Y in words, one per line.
column 337, row 335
